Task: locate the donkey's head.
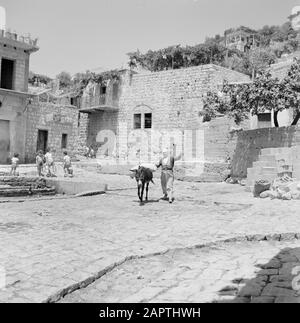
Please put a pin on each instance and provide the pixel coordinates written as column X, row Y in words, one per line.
column 140, row 176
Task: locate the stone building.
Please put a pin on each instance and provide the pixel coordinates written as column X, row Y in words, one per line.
column 31, row 120
column 148, row 112
column 242, row 39
column 15, row 52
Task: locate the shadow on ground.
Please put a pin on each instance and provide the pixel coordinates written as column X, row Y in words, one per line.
column 278, row 281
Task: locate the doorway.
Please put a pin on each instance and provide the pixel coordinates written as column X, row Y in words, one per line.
column 4, row 141
column 42, row 141
column 7, row 74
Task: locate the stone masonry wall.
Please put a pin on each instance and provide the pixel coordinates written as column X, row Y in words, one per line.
column 175, row 99
column 82, row 138
column 250, row 143
column 174, row 96
column 13, row 111
column 57, row 120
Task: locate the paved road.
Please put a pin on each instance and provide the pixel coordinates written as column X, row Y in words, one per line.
column 49, row 245
column 243, row 272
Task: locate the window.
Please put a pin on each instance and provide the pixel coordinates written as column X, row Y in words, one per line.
column 102, row 95
column 264, row 117
column 103, row 90
column 264, row 120
column 64, row 141
column 137, row 120
column 75, row 101
column 115, row 90
column 7, row 74
column 148, row 120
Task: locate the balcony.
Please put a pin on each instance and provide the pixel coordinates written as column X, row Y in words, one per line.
column 101, row 102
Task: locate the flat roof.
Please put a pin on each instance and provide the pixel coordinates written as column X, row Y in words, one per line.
column 30, row 46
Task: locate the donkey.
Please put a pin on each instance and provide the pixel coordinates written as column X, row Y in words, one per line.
column 143, row 177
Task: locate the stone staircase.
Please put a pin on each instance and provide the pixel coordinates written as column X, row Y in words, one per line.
column 24, row 186
column 274, row 162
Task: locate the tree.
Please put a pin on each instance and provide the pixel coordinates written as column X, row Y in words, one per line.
column 65, row 79
column 290, row 90
column 34, row 78
column 258, row 59
column 265, row 93
column 174, row 57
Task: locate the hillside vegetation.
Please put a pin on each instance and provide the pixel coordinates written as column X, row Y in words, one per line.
column 274, row 41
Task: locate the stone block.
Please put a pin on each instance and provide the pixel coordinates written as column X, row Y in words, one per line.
column 73, row 186
column 273, row 291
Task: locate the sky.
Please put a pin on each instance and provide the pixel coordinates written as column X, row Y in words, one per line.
column 76, row 36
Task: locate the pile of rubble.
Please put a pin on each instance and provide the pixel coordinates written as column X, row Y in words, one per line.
column 284, row 188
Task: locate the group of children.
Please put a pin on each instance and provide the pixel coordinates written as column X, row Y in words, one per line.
column 44, row 162
column 89, row 152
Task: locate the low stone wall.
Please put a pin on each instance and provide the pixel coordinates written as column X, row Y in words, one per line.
column 251, row 142
column 23, row 181
column 71, row 186
column 206, row 155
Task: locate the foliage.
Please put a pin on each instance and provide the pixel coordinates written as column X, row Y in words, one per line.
column 258, row 59
column 81, row 80
column 273, row 40
column 38, row 78
column 65, row 79
column 269, row 34
column 230, row 101
column 265, row 93
column 174, row 57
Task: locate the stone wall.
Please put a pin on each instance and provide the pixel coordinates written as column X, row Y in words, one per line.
column 250, row 143
column 83, row 129
column 55, row 119
column 13, row 113
column 175, row 100
column 174, row 96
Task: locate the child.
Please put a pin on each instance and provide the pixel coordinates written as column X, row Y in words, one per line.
column 92, row 153
column 67, row 165
column 40, row 162
column 49, row 163
column 87, row 152
column 14, row 165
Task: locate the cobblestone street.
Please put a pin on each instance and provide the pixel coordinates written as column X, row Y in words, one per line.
column 241, row 272
column 51, row 247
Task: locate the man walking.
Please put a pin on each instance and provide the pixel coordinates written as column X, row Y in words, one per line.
column 167, row 163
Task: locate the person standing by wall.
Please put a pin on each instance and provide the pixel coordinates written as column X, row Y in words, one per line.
column 40, row 163
column 14, row 165
column 67, row 165
column 50, row 163
column 167, row 163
